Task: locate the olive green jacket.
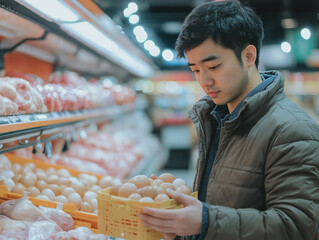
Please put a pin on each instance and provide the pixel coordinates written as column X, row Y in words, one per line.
column 264, row 183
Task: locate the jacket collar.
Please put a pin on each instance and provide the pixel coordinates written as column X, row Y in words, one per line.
column 251, row 107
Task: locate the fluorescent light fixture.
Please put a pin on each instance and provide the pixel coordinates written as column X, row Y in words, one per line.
column 127, row 12
column 55, row 9
column 305, row 33
column 133, row 7
column 133, row 19
column 288, row 23
column 148, row 44
column 285, row 47
column 138, row 30
column 168, row 55
column 141, row 37
column 92, row 36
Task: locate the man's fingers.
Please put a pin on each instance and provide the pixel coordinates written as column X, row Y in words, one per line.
column 157, row 221
column 181, row 197
column 159, row 228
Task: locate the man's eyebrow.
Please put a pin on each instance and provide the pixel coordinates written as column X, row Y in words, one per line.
column 210, row 58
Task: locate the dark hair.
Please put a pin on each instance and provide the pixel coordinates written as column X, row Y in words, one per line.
column 228, row 23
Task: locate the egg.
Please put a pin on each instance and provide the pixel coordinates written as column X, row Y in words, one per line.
column 63, row 181
column 89, row 195
column 178, row 182
column 18, row 188
column 140, row 181
column 184, row 189
column 33, row 191
column 161, row 197
column 93, row 179
column 115, row 189
column 17, row 168
column 78, row 187
column 16, row 178
column 41, row 176
column 160, row 190
column 67, row 191
column 43, row 197
column 167, row 177
column 61, row 199
column 95, row 188
column 63, row 172
column 27, row 180
column 9, row 183
column 157, row 182
column 30, row 165
column 93, row 203
column 55, row 188
column 106, row 181
column 147, row 191
column 53, row 179
column 49, row 193
column 86, row 207
column 76, row 199
column 146, row 199
column 49, row 171
column 41, row 185
column 127, row 189
column 135, row 196
column 166, row 185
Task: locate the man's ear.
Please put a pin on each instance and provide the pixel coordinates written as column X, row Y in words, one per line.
column 249, row 55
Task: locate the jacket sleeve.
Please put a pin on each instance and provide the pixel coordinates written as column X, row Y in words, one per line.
column 291, row 192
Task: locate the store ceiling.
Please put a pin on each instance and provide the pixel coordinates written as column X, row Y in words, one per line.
column 162, row 18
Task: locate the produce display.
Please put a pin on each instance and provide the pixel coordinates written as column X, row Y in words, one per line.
column 21, row 220
column 54, row 185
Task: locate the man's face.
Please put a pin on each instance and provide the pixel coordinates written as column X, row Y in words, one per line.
column 219, row 72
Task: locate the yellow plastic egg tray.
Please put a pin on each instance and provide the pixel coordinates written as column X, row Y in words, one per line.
column 118, row 217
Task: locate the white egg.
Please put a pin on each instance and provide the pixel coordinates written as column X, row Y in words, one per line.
column 43, row 197
column 95, row 188
column 78, row 187
column 53, row 179
column 86, row 207
column 67, row 191
column 18, row 188
column 33, row 191
column 178, row 182
column 63, row 172
column 89, row 195
column 27, row 180
column 9, row 183
column 49, row 193
column 93, row 203
column 61, row 199
column 76, row 199
column 17, row 168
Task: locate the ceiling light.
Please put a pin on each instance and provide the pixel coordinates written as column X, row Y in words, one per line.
column 149, row 44
column 288, row 23
column 305, row 33
column 168, row 55
column 285, row 47
column 141, row 37
column 127, row 12
column 133, row 19
column 55, row 9
column 138, row 29
column 155, row 51
column 133, row 7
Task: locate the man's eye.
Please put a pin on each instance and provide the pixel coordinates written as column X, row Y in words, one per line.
column 215, row 66
column 195, row 71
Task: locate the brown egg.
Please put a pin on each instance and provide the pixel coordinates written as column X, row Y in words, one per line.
column 184, row 189
column 166, row 185
column 115, row 189
column 106, row 181
column 135, row 196
column 127, row 189
column 157, row 182
column 161, row 197
column 167, row 177
column 147, row 191
column 140, row 181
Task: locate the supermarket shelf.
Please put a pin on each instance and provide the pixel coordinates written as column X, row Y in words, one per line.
column 22, row 126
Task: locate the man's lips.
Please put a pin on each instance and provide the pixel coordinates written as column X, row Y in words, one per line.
column 213, row 94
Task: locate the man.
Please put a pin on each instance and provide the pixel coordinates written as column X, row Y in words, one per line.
column 258, row 169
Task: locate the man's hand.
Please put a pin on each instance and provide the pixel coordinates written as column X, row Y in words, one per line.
column 183, row 222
